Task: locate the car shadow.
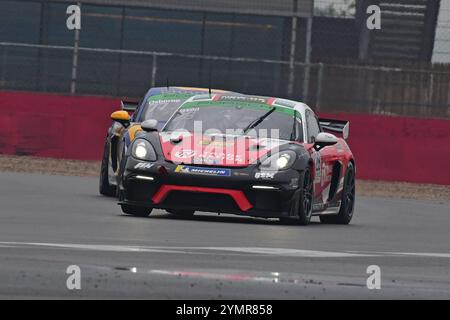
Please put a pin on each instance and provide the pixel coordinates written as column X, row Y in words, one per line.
column 223, row 218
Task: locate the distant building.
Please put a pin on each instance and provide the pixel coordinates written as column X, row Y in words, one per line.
column 441, row 52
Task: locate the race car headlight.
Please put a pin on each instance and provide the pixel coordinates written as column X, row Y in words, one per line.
column 279, row 161
column 143, row 150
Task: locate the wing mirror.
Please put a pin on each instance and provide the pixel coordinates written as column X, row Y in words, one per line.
column 150, row 125
column 324, row 139
column 122, row 117
column 129, row 105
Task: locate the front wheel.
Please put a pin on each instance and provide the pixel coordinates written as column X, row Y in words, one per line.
column 136, row 211
column 347, row 202
column 302, row 208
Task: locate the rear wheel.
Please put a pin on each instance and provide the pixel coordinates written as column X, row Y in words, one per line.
column 136, row 211
column 347, row 202
column 303, row 206
column 105, row 188
column 181, row 212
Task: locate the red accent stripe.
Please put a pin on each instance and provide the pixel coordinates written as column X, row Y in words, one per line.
column 237, row 195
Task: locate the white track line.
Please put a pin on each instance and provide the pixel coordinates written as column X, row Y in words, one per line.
column 281, row 252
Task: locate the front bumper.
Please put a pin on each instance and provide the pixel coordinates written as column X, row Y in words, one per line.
column 160, row 185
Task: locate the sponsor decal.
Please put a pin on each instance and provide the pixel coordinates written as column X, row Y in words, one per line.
column 207, row 156
column 222, row 172
column 285, row 103
column 241, row 174
column 185, row 154
column 188, row 110
column 143, row 165
column 294, row 183
column 265, row 175
column 164, row 101
column 323, row 170
column 317, row 165
column 244, row 98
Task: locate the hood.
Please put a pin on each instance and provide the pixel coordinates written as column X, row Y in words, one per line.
column 217, row 150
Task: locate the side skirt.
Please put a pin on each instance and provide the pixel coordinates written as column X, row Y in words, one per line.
column 326, row 209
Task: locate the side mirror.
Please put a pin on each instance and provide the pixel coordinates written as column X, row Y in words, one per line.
column 324, row 139
column 150, row 125
column 122, row 117
column 129, row 105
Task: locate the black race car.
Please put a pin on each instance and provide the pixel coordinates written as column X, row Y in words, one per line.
column 246, row 155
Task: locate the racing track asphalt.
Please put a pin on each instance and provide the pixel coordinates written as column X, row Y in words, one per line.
column 50, row 222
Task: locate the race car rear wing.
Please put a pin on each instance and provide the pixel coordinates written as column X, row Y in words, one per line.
column 339, row 126
column 129, row 105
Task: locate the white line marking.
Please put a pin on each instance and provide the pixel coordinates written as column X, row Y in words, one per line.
column 190, row 250
column 281, row 252
column 417, row 254
column 288, row 252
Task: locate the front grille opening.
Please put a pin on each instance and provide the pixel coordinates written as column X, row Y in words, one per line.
column 214, row 202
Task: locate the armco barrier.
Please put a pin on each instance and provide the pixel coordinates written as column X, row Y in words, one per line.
column 385, row 148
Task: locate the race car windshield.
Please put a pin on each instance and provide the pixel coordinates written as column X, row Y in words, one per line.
column 234, row 118
column 163, row 106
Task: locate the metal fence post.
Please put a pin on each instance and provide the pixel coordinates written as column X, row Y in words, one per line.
column 291, row 80
column 119, row 69
column 448, row 99
column 3, row 68
column 73, row 84
column 154, row 69
column 307, row 60
column 430, row 90
column 319, row 86
column 76, row 43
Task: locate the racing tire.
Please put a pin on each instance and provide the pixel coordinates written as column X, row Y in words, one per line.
column 136, row 211
column 302, row 208
column 347, row 202
column 105, row 188
column 119, row 177
column 181, row 212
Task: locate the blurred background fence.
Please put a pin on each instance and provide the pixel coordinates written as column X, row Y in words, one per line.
column 317, row 52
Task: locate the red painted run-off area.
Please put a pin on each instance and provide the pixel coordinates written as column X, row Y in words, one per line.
column 385, row 148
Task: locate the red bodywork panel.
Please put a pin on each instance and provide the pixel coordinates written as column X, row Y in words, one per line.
column 237, row 195
column 323, row 164
column 219, row 151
